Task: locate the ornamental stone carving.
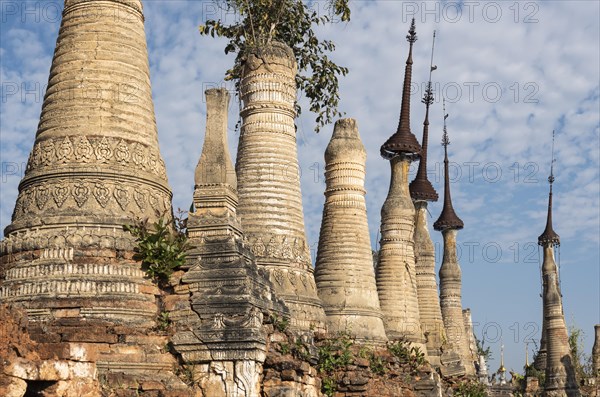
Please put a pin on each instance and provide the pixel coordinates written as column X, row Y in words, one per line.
column 66, row 246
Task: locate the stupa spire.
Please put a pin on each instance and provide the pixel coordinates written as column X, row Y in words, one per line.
column 421, row 192
column 420, row 187
column 549, row 236
column 450, row 274
column 560, row 372
column 448, row 218
column 404, row 141
column 396, row 273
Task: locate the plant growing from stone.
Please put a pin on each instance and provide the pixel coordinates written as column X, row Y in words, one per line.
column 407, row 354
column 291, row 22
column 160, row 246
column 470, row 389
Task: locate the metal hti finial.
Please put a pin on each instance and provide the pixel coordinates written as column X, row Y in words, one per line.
column 403, row 142
column 420, row 187
column 551, row 177
column 445, row 140
column 448, row 218
column 411, row 37
column 428, row 97
column 549, row 236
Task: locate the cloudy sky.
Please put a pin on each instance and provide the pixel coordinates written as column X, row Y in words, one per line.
column 511, row 73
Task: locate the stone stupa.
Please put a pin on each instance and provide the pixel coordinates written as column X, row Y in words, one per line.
column 561, row 380
column 396, row 275
column 270, row 201
column 344, row 269
column 422, row 192
column 94, row 167
column 451, row 280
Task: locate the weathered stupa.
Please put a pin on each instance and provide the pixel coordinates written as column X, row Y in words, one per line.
column 95, row 165
column 270, row 202
column 396, row 275
column 560, row 370
column 344, row 269
column 596, row 353
column 421, row 192
column 223, row 297
column 450, row 274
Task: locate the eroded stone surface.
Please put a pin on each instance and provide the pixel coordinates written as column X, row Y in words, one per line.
column 94, row 166
column 427, row 287
column 396, row 274
column 270, row 205
column 344, row 268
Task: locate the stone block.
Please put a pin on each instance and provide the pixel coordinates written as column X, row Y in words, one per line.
column 152, row 385
column 48, row 351
column 154, row 340
column 89, row 335
column 149, row 289
column 23, row 368
column 54, row 370
column 86, row 351
column 288, row 374
column 12, row 387
column 60, row 313
column 83, row 370
column 170, row 302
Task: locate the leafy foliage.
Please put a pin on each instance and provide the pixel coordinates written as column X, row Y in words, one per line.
column 160, row 246
column 581, row 361
column 280, row 323
column 335, row 353
column 377, row 364
column 532, row 372
column 290, row 22
column 486, row 352
column 406, row 353
column 470, row 389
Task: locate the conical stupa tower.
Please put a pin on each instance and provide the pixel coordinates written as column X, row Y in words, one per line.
column 560, row 378
column 396, row 275
column 94, row 167
column 450, row 274
column 344, row 269
column 421, row 192
column 270, row 202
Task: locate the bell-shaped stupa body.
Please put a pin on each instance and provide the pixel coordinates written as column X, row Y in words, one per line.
column 270, row 201
column 344, row 269
column 94, row 167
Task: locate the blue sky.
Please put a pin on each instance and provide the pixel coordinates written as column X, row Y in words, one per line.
column 511, row 73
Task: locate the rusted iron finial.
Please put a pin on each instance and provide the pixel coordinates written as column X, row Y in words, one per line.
column 421, row 188
column 403, row 142
column 448, row 218
column 549, row 236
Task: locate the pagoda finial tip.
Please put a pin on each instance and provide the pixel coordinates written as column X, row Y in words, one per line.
column 411, row 37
